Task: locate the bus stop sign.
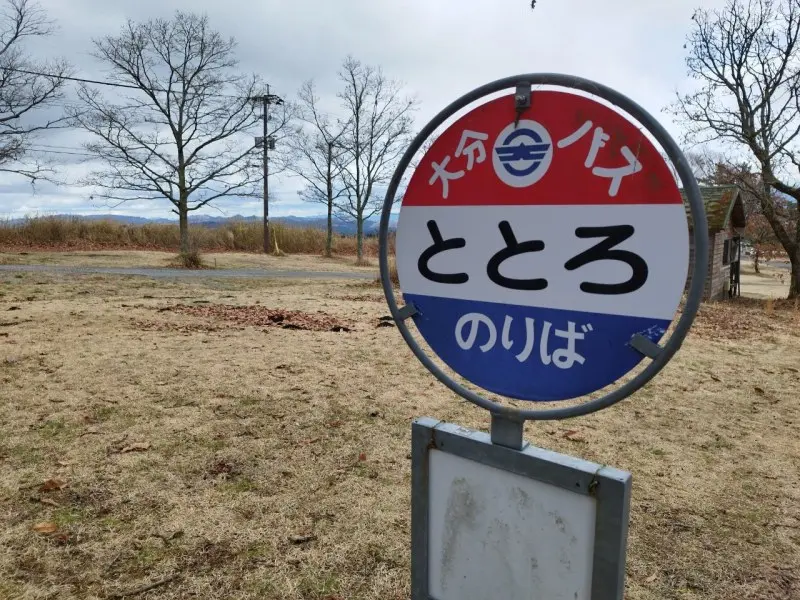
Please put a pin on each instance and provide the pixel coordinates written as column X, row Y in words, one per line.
column 535, row 249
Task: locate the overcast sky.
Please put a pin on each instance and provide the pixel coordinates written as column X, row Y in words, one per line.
column 440, row 49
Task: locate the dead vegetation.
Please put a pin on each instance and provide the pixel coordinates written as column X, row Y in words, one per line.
column 59, row 233
column 224, row 456
column 261, row 316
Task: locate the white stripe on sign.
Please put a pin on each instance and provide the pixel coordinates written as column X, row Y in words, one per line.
column 656, row 229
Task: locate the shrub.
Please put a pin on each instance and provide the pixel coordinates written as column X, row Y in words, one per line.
column 191, row 260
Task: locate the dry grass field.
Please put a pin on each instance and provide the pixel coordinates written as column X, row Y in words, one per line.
column 197, row 436
column 65, row 233
column 157, row 259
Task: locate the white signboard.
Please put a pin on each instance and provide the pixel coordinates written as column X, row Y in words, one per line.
column 493, row 523
column 495, row 534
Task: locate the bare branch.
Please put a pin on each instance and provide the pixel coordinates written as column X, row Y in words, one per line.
column 746, row 59
column 379, row 129
column 182, row 134
column 23, row 92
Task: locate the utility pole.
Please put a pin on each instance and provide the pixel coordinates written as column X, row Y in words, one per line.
column 267, row 143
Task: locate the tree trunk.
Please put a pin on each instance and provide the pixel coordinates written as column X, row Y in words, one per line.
column 329, row 232
column 183, row 220
column 794, row 281
column 329, row 237
column 359, row 237
column 756, row 258
column 794, row 259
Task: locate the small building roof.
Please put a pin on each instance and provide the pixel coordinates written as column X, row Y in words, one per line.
column 723, row 204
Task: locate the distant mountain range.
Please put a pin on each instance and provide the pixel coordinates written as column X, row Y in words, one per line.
column 315, row 222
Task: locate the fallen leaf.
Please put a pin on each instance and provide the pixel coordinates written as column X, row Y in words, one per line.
column 136, row 447
column 652, row 578
column 759, row 390
column 51, row 485
column 301, row 539
column 45, row 527
column 362, row 456
column 573, row 435
column 49, row 501
column 335, row 424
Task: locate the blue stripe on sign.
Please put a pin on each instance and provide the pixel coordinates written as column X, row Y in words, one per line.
column 511, row 157
column 489, row 344
column 518, row 153
column 530, row 147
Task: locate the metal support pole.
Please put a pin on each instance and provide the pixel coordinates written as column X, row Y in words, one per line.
column 265, row 144
column 507, row 431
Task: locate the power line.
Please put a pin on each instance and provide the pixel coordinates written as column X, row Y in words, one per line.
column 57, row 147
column 106, row 83
column 46, row 151
column 78, row 79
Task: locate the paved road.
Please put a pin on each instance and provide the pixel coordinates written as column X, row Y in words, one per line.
column 177, row 273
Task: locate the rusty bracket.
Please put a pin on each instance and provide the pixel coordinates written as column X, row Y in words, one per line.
column 409, row 310
column 522, row 100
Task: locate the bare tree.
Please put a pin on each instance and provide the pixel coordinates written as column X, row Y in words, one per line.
column 378, row 132
column 26, row 85
column 179, row 131
column 316, row 155
column 746, row 59
column 714, row 169
column 762, row 239
column 705, row 166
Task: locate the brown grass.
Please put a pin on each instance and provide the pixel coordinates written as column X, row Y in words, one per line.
column 160, row 259
column 262, row 462
column 393, row 272
column 77, row 234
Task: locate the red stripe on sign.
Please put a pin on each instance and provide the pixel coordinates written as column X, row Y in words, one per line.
column 566, row 149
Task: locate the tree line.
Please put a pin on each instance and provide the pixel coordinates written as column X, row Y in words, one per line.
column 173, row 121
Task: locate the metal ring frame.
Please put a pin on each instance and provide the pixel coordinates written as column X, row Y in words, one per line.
column 700, row 236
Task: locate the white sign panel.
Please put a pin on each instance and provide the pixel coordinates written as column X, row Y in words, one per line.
column 494, row 523
column 495, row 534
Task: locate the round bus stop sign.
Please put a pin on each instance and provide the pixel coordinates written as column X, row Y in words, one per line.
column 535, row 249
